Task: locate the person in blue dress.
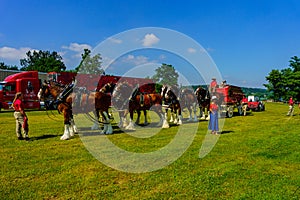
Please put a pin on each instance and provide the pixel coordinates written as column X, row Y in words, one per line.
column 214, row 116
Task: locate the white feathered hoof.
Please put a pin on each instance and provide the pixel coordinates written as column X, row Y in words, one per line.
column 105, row 128
column 95, row 127
column 75, row 130
column 66, row 134
column 109, row 129
column 64, row 137
column 179, row 122
column 195, row 119
column 130, row 127
column 166, row 124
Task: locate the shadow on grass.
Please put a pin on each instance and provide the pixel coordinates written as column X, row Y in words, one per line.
column 226, row 132
column 43, row 137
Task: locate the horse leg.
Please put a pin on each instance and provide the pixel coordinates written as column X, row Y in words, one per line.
column 190, row 109
column 172, row 117
column 179, row 117
column 73, row 127
column 194, row 108
column 208, row 114
column 137, row 121
column 164, row 120
column 125, row 122
column 109, row 129
column 122, row 116
column 202, row 112
column 66, row 134
column 145, row 115
column 131, row 124
column 96, row 124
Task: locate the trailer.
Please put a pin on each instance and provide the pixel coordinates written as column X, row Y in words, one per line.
column 230, row 97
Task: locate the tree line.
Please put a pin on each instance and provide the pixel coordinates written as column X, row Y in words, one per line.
column 285, row 83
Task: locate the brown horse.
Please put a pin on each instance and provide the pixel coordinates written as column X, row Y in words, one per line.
column 128, row 99
column 203, row 98
column 189, row 100
column 171, row 102
column 101, row 101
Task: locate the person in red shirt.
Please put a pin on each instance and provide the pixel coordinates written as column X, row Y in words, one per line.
column 291, row 107
column 214, row 116
column 244, row 103
column 21, row 117
column 213, row 85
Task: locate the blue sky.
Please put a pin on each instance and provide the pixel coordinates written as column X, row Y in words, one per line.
column 245, row 38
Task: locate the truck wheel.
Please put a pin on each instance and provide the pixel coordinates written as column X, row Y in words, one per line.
column 258, row 108
column 229, row 112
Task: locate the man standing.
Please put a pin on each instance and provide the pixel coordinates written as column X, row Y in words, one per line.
column 213, row 85
column 291, row 107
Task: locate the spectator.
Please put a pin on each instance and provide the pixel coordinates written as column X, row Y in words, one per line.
column 213, row 85
column 291, row 107
column 214, row 116
column 244, row 103
column 21, row 117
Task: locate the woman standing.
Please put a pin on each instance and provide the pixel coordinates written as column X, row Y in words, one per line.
column 21, row 117
column 214, row 116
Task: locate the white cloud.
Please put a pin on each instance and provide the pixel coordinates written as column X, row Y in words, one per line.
column 191, row 50
column 136, row 60
column 116, row 41
column 13, row 54
column 150, row 39
column 77, row 47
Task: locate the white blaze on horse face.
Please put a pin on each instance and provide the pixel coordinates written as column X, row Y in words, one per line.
column 39, row 94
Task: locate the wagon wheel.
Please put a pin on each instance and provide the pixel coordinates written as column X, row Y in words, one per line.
column 229, row 112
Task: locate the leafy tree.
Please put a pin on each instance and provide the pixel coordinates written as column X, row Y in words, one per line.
column 42, row 61
column 90, row 65
column 295, row 63
column 166, row 74
column 286, row 82
column 4, row 66
column 276, row 84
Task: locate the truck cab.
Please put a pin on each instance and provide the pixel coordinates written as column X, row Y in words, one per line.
column 26, row 82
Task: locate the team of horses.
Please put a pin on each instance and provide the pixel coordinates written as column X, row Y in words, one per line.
column 127, row 100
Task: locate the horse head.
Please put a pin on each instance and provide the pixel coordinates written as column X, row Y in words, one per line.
column 169, row 93
column 44, row 91
column 50, row 88
column 108, row 88
column 121, row 94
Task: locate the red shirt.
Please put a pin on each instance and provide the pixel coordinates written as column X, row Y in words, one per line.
column 213, row 107
column 18, row 105
column 291, row 102
column 213, row 83
column 244, row 100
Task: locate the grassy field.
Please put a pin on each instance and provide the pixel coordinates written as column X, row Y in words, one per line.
column 256, row 157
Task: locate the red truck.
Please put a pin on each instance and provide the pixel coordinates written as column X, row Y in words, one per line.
column 26, row 82
column 29, row 83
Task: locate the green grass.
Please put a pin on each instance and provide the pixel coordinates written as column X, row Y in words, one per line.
column 256, row 157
